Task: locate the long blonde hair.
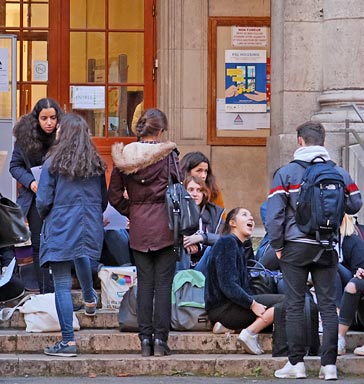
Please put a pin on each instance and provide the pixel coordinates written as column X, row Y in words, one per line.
column 347, row 227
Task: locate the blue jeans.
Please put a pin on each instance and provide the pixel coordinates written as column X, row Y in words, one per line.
column 185, row 262
column 117, row 243
column 296, row 263
column 62, row 278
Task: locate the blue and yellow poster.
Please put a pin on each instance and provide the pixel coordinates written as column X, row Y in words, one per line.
column 245, row 81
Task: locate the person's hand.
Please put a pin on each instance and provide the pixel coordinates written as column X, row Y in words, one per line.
column 125, row 194
column 231, row 91
column 257, row 96
column 359, row 273
column 279, row 254
column 105, row 221
column 127, row 223
column 191, row 249
column 193, row 239
column 258, row 309
column 34, row 186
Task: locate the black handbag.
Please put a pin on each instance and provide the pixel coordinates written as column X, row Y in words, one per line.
column 128, row 321
column 262, row 280
column 183, row 213
column 13, row 229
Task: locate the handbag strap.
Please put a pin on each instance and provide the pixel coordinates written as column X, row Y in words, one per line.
column 7, row 312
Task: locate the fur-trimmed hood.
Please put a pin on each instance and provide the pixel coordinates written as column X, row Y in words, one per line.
column 136, row 156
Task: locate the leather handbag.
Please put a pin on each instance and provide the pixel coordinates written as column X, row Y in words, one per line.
column 262, row 280
column 12, row 223
column 128, row 321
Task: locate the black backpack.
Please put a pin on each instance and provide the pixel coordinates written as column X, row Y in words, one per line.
column 310, row 334
column 321, row 202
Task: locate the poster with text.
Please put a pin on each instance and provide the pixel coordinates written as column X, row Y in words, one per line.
column 245, row 81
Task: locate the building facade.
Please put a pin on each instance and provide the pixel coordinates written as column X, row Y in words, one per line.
column 170, row 53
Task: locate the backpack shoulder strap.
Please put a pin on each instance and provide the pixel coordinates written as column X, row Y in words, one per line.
column 304, row 164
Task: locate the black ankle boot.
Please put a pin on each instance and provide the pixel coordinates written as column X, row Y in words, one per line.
column 161, row 348
column 147, row 347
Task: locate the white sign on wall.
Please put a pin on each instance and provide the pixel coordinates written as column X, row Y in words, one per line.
column 4, row 70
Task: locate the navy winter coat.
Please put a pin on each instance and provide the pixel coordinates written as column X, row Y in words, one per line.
column 20, row 165
column 72, row 213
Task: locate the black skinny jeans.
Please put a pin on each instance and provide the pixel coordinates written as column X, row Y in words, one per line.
column 296, row 263
column 155, row 273
column 350, row 302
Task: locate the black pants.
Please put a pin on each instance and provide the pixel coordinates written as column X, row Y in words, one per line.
column 45, row 280
column 155, row 272
column 296, row 263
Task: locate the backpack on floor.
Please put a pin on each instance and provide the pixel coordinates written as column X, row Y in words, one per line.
column 188, row 303
column 321, row 202
column 311, row 325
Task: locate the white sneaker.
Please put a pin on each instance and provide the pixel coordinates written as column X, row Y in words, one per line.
column 359, row 351
column 250, row 342
column 289, row 371
column 219, row 328
column 328, row 372
column 341, row 345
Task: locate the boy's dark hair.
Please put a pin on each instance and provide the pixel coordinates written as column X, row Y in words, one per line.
column 312, row 132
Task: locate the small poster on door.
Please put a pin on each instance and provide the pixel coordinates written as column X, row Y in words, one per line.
column 40, row 70
column 4, row 70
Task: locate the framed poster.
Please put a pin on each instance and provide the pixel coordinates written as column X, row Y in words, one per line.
column 238, row 81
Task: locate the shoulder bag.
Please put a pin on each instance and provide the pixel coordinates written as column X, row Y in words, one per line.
column 12, row 223
column 183, row 213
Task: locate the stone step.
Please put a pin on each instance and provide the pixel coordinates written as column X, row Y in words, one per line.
column 216, row 365
column 111, row 341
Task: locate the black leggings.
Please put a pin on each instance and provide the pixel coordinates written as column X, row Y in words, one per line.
column 233, row 316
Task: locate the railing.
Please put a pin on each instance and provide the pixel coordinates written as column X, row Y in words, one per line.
column 355, row 133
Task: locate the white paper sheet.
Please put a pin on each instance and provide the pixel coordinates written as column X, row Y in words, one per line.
column 116, row 220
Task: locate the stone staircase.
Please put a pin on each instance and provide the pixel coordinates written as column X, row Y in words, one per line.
column 104, row 351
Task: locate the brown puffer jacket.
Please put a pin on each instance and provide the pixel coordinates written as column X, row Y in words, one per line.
column 142, row 169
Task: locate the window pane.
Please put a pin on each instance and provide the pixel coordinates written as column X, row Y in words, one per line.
column 87, row 48
column 128, row 49
column 89, row 102
column 126, row 14
column 12, row 15
column 122, row 103
column 35, row 15
column 87, row 13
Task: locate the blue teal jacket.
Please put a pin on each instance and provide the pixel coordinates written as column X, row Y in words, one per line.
column 72, row 213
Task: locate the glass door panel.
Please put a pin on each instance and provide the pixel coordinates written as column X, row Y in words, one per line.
column 131, row 46
column 87, row 14
column 126, row 14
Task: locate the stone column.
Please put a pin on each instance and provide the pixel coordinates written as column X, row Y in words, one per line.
column 317, row 70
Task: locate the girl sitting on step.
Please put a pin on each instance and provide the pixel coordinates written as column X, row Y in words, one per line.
column 228, row 299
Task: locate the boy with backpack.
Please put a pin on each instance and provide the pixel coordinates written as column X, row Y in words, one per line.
column 306, row 203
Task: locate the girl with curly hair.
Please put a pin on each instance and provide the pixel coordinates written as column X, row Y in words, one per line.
column 35, row 134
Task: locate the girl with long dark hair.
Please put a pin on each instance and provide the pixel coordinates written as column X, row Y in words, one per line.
column 71, row 198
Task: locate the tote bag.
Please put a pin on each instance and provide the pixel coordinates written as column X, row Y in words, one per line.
column 115, row 281
column 40, row 314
